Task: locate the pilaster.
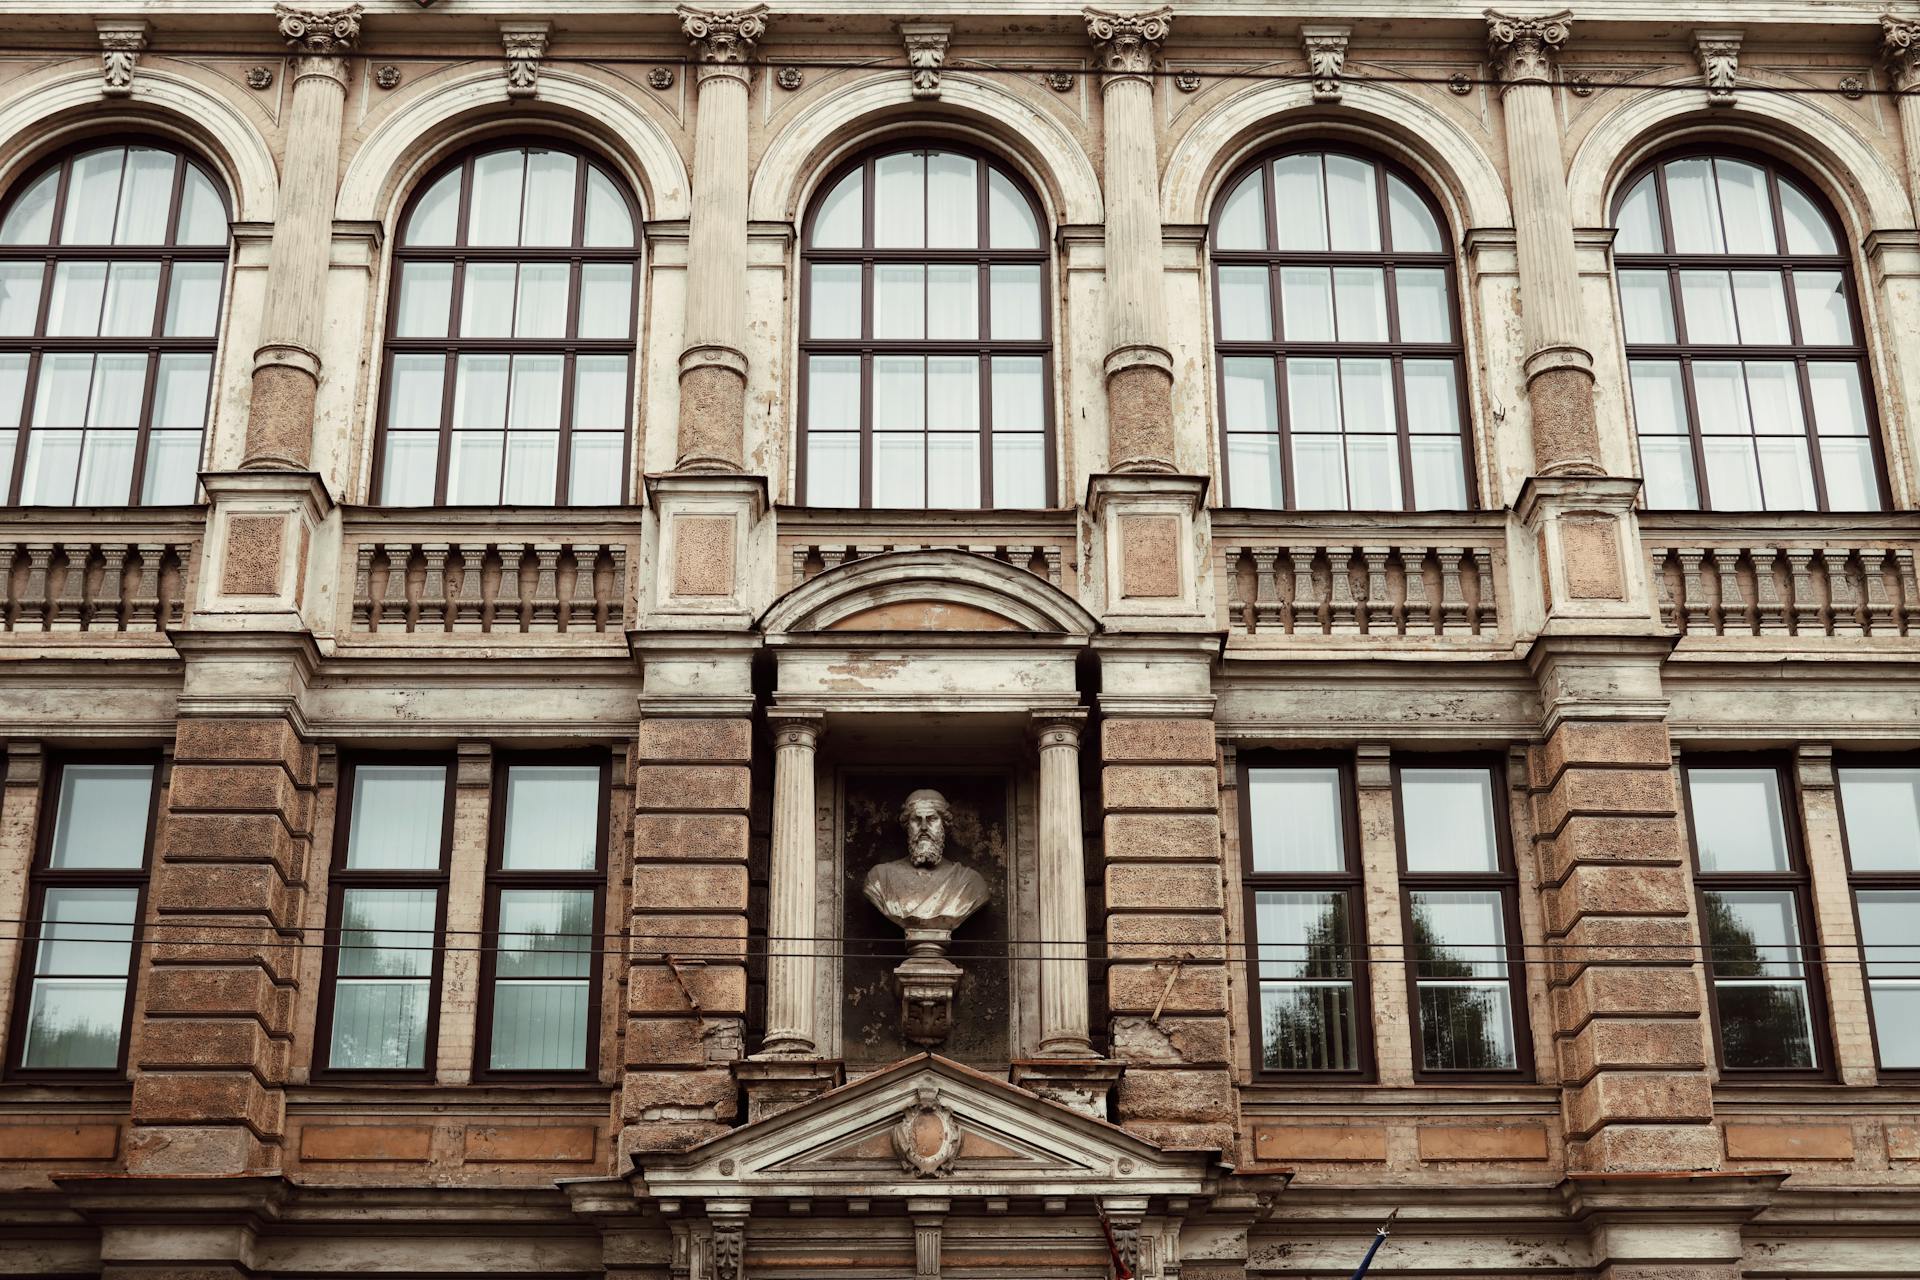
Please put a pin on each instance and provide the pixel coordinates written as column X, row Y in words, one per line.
column 1900, row 50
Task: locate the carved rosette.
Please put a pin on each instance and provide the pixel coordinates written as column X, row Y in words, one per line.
column 1326, row 50
column 927, row 1140
column 723, row 39
column 1719, row 55
column 1127, row 43
column 1900, row 47
column 926, row 44
column 320, row 40
column 525, row 44
column 1523, row 48
column 120, row 47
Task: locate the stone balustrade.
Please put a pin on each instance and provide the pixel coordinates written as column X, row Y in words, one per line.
column 100, row 572
column 504, row 574
column 1802, row 575
column 1296, row 575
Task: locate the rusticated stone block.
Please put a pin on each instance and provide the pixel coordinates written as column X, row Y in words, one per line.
column 720, row 989
column 77, row 1141
column 212, row 740
column 246, row 887
column 363, row 1143
column 1164, row 886
column 241, row 992
column 1498, row 1143
column 680, row 788
column 681, row 1093
column 714, row 837
column 1344, row 1144
column 1656, row 1148
column 1616, row 891
column 1138, row 988
column 1593, row 839
column 1789, row 1142
column 1599, row 993
column 224, row 941
column 233, row 837
column 240, row 1043
column 1177, row 1136
column 670, row 886
column 1192, row 1042
column 1194, row 836
column 1158, row 741
column 667, row 1135
column 1638, row 1097
column 1200, row 1097
column 1161, row 786
column 1607, row 1044
column 695, row 739
column 1578, row 742
column 688, row 935
column 258, row 787
column 1605, row 792
column 1620, row 940
column 1151, row 937
column 662, row 1041
column 196, row 1098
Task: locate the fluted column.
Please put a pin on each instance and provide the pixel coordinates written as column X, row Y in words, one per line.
column 791, row 966
column 1139, row 368
column 1900, row 44
column 1559, row 366
column 286, row 366
column 1063, row 890
column 713, row 363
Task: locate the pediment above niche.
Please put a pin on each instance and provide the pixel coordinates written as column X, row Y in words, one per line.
column 928, row 591
column 926, row 1126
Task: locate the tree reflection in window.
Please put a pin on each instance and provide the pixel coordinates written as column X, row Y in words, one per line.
column 1306, row 982
column 1754, row 943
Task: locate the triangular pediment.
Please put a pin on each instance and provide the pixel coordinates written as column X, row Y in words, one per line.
column 926, row 1126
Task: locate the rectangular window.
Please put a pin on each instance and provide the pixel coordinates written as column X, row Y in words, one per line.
column 1880, row 820
column 1753, row 918
column 392, row 833
column 1462, row 925
column 546, row 886
column 1299, row 834
column 83, row 918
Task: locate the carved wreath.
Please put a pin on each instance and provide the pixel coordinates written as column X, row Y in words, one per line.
column 940, row 1163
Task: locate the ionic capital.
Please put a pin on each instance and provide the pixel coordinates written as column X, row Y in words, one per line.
column 1522, row 47
column 1900, row 48
column 1058, row 729
column 723, row 39
column 795, row 730
column 321, row 40
column 1127, row 43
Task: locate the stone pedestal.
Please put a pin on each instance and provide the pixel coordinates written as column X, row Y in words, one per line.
column 710, row 535
column 1080, row 1084
column 272, row 549
column 1146, row 526
column 1594, row 572
column 774, row 1085
column 926, row 982
column 1674, row 1227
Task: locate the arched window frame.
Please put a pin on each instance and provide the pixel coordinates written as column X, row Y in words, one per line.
column 1799, row 352
column 868, row 256
column 1394, row 348
column 453, row 345
column 153, row 345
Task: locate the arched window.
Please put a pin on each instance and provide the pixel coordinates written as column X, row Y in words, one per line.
column 1744, row 345
column 112, row 264
column 510, row 335
column 926, row 360
column 1341, row 386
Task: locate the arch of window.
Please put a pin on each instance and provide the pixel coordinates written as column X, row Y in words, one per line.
column 926, row 366
column 113, row 264
column 510, row 352
column 1337, row 338
column 1743, row 339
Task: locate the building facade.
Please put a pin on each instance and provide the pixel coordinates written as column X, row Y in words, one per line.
column 533, row 503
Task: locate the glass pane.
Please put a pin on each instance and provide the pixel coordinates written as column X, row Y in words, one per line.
column 66, row 380
column 132, row 290
column 93, row 197
column 609, row 221
column 539, row 1026
column 73, row 1024
column 193, row 300
column 13, row 390
column 834, row 300
column 1253, row 471
column 1853, row 483
column 1410, row 221
column 594, row 471
column 1306, row 303
column 1881, row 808
column 53, row 457
column 1759, row 299
column 1889, row 939
column 180, row 392
column 553, row 818
column 953, row 301
column 435, row 216
column 899, row 300
column 546, row 933
column 1765, row 1026
column 74, row 309
column 396, row 817
column 101, row 821
column 1659, row 401
column 535, row 402
column 1745, row 209
column 1823, row 308
column 1245, row 309
column 1300, row 201
column 551, row 179
column 119, row 383
column 953, row 393
column 173, row 466
column 1896, row 1023
column 1303, row 935
column 542, row 308
column 1720, row 391
column 1733, row 476
column 1424, row 314
column 1366, row 389
column 833, row 393
column 1447, row 817
column 413, row 398
column 1014, row 296
column 1010, row 220
column 387, row 933
column 899, row 393
column 493, row 215
column 1313, row 394
column 1807, row 228
column 30, row 218
column 486, row 299
column 1319, row 474
column 1695, row 207
column 1019, row 471
column 1373, row 473
column 1308, row 1026
column 599, row 395
column 1639, row 220
column 1646, row 306
column 606, row 299
column 146, row 197
column 106, row 469
column 1249, row 398
column 953, row 201
column 426, row 297
column 532, row 468
column 953, row 470
column 1433, row 396
column 20, row 297
column 1737, row 822
column 1773, row 398
column 1360, row 304
column 407, row 469
column 1458, row 934
column 899, row 201
column 1019, row 402
column 1439, row 474
column 480, row 392
column 1353, row 204
column 1466, row 1026
column 899, row 470
column 1839, row 407
column 87, row 933
column 1296, row 820
column 833, row 469
column 1706, row 298
column 1786, row 474
column 379, row 1024
column 836, row 223
column 474, row 461
column 1242, row 222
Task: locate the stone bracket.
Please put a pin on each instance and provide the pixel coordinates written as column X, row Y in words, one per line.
column 121, row 44
column 1719, row 56
column 1326, row 50
column 525, row 44
column 926, row 44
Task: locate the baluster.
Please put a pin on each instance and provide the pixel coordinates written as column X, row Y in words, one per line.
column 362, row 586
column 33, row 596
column 103, row 614
column 464, row 588
column 9, row 556
column 1879, row 603
column 799, row 565
column 1806, row 593
column 143, row 610
column 393, row 607
column 1453, row 593
column 1343, row 610
column 1374, row 614
column 1770, row 610
column 1419, row 610
column 1492, row 589
column 1733, row 605
column 173, row 584
column 433, row 588
column 581, row 608
column 1909, row 610
column 546, row 592
column 1302, row 605
column 1844, row 592
column 1693, row 583
column 506, row 611
column 1670, row 613
column 1054, row 567
column 69, row 605
column 622, row 589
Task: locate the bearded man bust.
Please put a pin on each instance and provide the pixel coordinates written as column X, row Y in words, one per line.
column 925, row 891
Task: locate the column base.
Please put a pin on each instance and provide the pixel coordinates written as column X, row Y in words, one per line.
column 1078, row 1084
column 774, row 1085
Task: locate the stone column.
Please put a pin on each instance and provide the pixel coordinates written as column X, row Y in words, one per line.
column 791, row 966
column 1063, row 891
column 713, row 363
column 1139, row 369
column 1900, row 45
column 1559, row 367
column 286, row 366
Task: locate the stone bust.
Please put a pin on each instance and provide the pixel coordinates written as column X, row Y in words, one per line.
column 924, row 891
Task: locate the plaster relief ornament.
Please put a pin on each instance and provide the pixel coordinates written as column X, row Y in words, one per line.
column 1522, row 48
column 929, row 897
column 926, row 53
column 1326, row 49
column 120, row 47
column 1127, row 42
column 927, row 1140
column 1719, row 55
column 525, row 44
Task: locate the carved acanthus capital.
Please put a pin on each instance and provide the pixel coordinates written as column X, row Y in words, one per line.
column 1128, row 42
column 723, row 39
column 321, row 40
column 120, row 47
column 1900, row 46
column 1522, row 48
column 1719, row 55
column 926, row 53
column 1326, row 50
column 525, row 44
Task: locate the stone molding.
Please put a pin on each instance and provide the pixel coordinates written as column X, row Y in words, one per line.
column 723, row 39
column 1128, row 43
column 1326, row 50
column 1719, row 56
column 926, row 44
column 320, row 39
column 1525, row 47
column 121, row 44
column 525, row 44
